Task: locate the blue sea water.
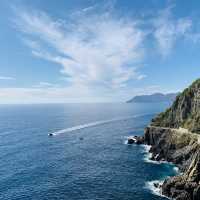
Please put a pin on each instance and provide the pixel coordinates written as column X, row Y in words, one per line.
column 87, row 160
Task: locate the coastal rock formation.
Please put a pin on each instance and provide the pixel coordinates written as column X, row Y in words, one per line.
column 174, row 137
column 183, row 149
column 185, row 111
column 135, row 140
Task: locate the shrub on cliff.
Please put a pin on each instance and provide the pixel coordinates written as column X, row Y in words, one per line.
column 184, row 112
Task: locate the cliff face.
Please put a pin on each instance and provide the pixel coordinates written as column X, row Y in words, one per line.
column 183, row 149
column 185, row 111
column 175, row 137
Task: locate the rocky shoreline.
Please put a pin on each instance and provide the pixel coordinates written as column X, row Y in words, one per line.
column 182, row 148
column 174, row 136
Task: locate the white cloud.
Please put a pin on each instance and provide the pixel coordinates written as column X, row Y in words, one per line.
column 45, row 85
column 168, row 30
column 141, row 76
column 68, row 95
column 43, row 95
column 93, row 49
column 99, row 53
column 6, row 78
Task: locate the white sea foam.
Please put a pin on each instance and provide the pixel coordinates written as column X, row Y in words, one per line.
column 148, row 156
column 127, row 138
column 126, row 141
column 150, row 185
column 92, row 124
column 146, row 148
column 176, row 169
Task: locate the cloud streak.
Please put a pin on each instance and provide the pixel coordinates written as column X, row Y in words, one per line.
column 100, row 52
column 6, row 78
column 93, row 49
column 168, row 30
column 48, row 94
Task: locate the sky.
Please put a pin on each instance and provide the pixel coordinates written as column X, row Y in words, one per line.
column 72, row 51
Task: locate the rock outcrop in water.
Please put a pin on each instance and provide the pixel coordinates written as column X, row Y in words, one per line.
column 174, row 137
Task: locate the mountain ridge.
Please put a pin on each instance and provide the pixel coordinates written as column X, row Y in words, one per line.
column 155, row 97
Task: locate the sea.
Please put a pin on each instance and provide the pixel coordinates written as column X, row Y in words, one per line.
column 86, row 158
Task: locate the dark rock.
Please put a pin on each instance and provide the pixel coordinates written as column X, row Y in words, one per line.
column 140, row 140
column 136, row 140
column 196, row 193
column 131, row 140
column 183, row 195
column 174, row 137
column 182, row 149
column 157, row 185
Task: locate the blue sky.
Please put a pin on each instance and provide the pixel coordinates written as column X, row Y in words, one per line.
column 96, row 50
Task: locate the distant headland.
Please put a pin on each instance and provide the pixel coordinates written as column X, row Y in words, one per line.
column 155, row 97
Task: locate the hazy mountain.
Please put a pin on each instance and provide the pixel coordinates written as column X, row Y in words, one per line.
column 156, row 97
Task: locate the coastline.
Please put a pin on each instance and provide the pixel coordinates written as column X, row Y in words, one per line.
column 182, row 149
column 155, row 186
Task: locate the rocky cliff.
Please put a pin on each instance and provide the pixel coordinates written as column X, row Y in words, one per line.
column 174, row 137
column 185, row 111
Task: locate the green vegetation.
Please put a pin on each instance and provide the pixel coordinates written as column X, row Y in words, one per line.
column 184, row 112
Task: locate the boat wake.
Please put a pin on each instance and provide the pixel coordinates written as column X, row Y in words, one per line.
column 92, row 124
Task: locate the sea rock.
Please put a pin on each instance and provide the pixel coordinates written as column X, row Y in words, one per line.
column 131, row 140
column 135, row 140
column 157, row 185
column 140, row 140
column 196, row 193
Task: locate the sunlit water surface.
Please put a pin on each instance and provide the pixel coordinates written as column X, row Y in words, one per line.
column 87, row 159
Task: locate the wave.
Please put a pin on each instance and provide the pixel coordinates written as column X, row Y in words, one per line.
column 148, row 156
column 126, row 141
column 97, row 123
column 176, row 169
column 154, row 187
column 151, row 185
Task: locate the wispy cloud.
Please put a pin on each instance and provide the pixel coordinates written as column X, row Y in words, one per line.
column 93, row 48
column 168, row 30
column 100, row 52
column 45, row 85
column 6, row 78
column 68, row 95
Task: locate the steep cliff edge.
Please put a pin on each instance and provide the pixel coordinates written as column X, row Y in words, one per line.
column 174, row 136
column 183, row 149
column 185, row 111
